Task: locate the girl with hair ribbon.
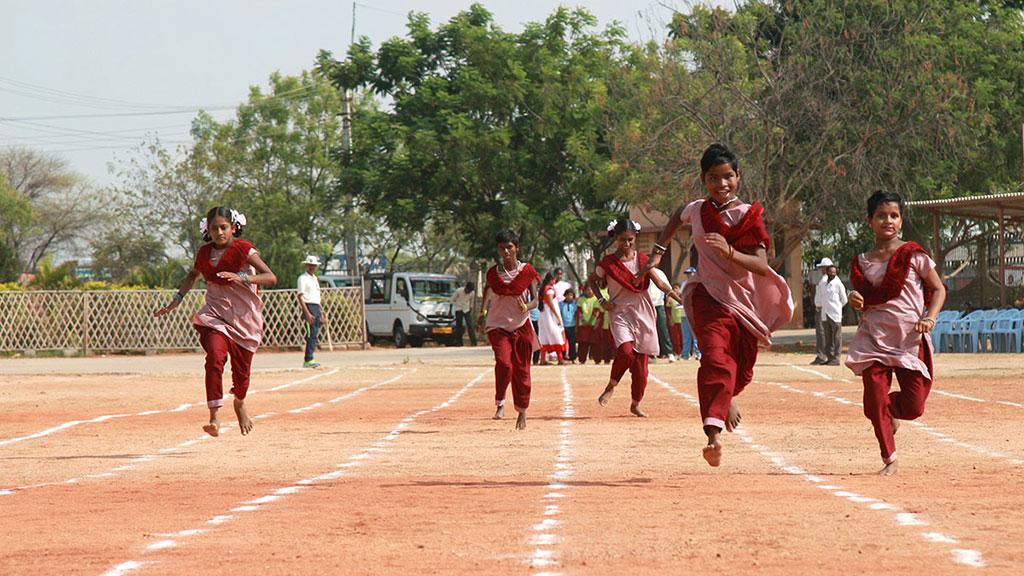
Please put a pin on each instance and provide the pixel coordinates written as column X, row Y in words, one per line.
column 230, row 324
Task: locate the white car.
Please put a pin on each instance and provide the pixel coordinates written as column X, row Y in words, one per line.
column 409, row 307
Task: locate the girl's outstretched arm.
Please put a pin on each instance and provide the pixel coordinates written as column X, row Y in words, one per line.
column 675, row 222
column 190, row 281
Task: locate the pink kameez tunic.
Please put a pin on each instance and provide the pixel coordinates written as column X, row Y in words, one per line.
column 234, row 309
column 634, row 318
column 886, row 332
column 762, row 304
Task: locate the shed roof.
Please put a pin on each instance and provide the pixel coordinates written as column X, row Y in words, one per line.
column 988, row 207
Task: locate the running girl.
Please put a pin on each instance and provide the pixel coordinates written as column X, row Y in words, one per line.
column 510, row 293
column 735, row 300
column 632, row 318
column 230, row 324
column 899, row 293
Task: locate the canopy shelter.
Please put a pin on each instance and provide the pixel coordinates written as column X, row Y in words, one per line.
column 1002, row 208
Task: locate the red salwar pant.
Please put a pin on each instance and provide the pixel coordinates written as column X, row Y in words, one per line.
column 218, row 349
column 513, row 352
column 626, row 358
column 675, row 332
column 907, row 403
column 728, row 353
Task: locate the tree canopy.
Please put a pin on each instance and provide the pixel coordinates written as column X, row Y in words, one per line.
column 487, row 129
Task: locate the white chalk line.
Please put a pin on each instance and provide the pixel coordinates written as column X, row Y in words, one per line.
column 961, row 556
column 176, row 539
column 546, row 537
column 930, row 430
column 106, row 417
column 223, row 429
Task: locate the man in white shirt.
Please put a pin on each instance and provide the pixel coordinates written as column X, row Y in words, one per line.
column 830, row 306
column 309, row 302
column 461, row 305
column 820, row 357
column 658, row 299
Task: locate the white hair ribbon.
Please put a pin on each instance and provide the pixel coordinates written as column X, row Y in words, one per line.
column 237, row 218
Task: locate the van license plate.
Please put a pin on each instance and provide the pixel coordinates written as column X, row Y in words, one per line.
column 443, row 330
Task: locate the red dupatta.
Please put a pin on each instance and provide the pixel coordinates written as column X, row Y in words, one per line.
column 517, row 286
column 893, row 281
column 746, row 234
column 614, row 268
column 233, row 260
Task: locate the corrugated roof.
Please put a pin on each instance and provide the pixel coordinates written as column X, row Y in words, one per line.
column 987, row 207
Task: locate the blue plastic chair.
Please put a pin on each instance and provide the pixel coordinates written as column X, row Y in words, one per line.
column 965, row 331
column 1006, row 336
column 986, row 339
column 941, row 333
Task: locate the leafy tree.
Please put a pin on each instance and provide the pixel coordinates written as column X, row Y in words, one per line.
column 487, row 130
column 272, row 162
column 826, row 102
column 15, row 215
column 52, row 207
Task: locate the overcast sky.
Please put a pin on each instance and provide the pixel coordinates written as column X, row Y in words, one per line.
column 87, row 80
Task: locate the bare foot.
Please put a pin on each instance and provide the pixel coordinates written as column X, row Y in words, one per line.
column 499, row 413
column 713, row 453
column 635, row 409
column 889, row 469
column 244, row 422
column 213, row 428
column 732, row 421
column 606, row 395
column 521, row 421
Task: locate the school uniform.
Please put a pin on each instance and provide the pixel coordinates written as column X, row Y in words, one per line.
column 886, row 342
column 230, row 323
column 732, row 309
column 510, row 332
column 632, row 322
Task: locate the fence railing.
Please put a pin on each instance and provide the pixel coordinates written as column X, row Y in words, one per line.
column 122, row 320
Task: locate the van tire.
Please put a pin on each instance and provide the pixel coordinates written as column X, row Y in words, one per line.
column 398, row 336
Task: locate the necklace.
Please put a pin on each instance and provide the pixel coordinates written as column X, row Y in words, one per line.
column 723, row 204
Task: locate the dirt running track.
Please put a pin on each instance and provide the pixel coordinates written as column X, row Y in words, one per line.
column 387, row 462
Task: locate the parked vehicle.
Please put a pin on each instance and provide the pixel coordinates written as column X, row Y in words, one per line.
column 339, row 281
column 409, row 307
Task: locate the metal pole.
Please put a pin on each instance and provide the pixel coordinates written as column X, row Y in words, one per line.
column 1002, row 259
column 351, row 240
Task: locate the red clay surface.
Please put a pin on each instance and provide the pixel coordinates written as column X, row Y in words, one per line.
column 387, row 462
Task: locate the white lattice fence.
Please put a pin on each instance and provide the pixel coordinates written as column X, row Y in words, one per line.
column 123, row 319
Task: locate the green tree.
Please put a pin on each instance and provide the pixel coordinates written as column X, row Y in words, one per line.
column 487, row 130
column 826, row 102
column 15, row 214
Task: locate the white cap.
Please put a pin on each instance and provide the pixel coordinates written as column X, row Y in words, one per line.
column 826, row 261
column 311, row 260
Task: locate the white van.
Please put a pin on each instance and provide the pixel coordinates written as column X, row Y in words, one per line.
column 409, row 307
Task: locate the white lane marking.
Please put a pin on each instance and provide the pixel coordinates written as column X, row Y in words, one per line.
column 546, row 537
column 939, row 436
column 106, row 417
column 226, row 428
column 277, row 494
column 971, row 558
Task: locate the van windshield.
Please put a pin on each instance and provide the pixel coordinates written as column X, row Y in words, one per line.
column 436, row 289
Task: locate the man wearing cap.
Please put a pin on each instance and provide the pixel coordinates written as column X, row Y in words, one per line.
column 309, row 301
column 829, row 299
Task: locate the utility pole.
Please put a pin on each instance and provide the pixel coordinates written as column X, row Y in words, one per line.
column 351, row 239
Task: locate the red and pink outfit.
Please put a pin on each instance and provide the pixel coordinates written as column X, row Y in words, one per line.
column 230, row 324
column 895, row 298
column 730, row 309
column 510, row 332
column 632, row 323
